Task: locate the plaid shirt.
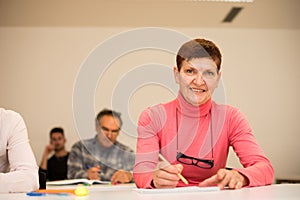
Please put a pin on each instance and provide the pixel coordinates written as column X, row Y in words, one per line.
column 88, row 153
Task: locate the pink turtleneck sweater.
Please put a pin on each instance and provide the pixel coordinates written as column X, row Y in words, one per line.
column 204, row 132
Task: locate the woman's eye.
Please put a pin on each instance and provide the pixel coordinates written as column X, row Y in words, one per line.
column 210, row 73
column 189, row 71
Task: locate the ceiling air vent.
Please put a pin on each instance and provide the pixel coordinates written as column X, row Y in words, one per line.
column 232, row 14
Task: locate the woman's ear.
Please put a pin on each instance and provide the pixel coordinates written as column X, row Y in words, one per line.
column 176, row 74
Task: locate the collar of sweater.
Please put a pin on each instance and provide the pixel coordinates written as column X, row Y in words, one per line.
column 190, row 110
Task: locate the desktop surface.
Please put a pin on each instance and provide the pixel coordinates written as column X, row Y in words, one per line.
column 272, row 192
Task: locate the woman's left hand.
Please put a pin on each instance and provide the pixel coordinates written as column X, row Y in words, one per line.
column 231, row 178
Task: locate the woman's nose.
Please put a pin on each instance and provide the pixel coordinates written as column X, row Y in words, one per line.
column 199, row 80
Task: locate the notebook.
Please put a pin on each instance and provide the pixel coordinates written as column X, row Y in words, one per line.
column 77, row 181
column 177, row 190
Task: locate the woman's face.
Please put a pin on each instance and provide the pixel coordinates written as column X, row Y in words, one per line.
column 197, row 80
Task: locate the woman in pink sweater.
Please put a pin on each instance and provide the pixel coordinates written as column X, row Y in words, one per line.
column 194, row 133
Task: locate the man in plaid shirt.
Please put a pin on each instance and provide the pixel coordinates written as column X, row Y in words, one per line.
column 102, row 157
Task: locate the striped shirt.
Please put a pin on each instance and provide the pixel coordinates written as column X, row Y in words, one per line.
column 89, row 153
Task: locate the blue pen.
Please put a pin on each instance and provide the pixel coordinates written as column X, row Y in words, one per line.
column 35, row 194
column 45, row 194
column 88, row 166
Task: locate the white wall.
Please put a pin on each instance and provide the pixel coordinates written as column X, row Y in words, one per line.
column 261, row 75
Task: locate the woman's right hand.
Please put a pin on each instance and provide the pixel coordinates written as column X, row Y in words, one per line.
column 166, row 176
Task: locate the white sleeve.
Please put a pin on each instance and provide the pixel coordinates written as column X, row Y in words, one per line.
column 23, row 169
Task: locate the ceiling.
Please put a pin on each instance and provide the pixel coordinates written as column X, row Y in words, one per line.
column 266, row 14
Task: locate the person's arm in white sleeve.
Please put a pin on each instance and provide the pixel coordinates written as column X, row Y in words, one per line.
column 23, row 169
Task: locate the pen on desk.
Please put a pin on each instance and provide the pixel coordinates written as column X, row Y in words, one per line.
column 179, row 175
column 34, row 194
column 56, row 191
column 79, row 191
column 50, row 192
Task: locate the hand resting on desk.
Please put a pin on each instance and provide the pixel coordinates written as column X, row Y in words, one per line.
column 121, row 176
column 231, row 178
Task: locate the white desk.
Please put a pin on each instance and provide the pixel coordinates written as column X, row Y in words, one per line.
column 272, row 192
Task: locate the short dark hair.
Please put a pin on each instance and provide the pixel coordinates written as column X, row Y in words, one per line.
column 109, row 112
column 198, row 48
column 57, row 130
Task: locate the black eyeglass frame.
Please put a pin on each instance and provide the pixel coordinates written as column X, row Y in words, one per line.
column 195, row 161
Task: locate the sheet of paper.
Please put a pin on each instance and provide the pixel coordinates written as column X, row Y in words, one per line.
column 177, row 190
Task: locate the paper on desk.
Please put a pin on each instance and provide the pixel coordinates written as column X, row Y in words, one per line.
column 178, row 190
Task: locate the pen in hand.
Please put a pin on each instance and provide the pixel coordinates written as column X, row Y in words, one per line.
column 179, row 175
column 93, row 172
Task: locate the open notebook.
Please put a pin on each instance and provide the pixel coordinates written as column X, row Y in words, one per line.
column 177, row 190
column 77, row 181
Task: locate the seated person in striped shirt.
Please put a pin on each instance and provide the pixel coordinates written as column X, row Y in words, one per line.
column 102, row 157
